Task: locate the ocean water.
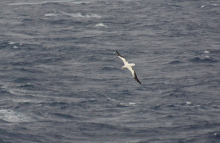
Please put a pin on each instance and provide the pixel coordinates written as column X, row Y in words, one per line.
column 61, row 81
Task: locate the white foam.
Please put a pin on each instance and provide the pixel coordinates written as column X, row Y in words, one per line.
column 12, row 116
column 202, row 6
column 75, row 15
column 18, row 91
column 35, row 3
column 214, row 4
column 51, row 14
column 206, row 52
column 84, row 16
column 80, row 15
column 132, row 103
column 22, row 3
column 188, row 103
column 11, row 43
column 101, row 25
column 207, row 57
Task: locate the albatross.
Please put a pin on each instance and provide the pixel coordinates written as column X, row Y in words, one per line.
column 128, row 66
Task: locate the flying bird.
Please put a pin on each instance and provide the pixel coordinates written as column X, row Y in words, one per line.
column 128, row 66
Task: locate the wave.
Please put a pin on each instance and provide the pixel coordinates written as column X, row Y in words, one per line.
column 75, row 15
column 45, row 2
column 203, row 60
column 175, row 62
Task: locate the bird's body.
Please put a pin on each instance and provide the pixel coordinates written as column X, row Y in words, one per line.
column 128, row 66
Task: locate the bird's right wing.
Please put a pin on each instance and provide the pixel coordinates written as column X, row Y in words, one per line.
column 135, row 77
column 134, row 74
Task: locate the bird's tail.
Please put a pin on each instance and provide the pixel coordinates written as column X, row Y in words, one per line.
column 132, row 64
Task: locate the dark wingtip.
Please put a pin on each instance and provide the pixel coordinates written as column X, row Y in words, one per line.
column 138, row 81
column 136, row 78
column 117, row 53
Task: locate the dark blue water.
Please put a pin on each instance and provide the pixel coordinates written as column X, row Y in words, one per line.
column 60, row 79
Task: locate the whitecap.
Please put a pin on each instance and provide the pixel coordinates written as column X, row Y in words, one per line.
column 80, row 15
column 51, row 14
column 11, row 43
column 101, row 25
column 132, row 103
column 214, row 4
column 207, row 57
column 18, row 91
column 21, row 3
column 12, row 116
column 202, row 6
column 45, row 2
column 206, row 52
column 84, row 16
column 188, row 103
column 75, row 15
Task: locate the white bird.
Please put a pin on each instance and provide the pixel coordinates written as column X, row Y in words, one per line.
column 128, row 66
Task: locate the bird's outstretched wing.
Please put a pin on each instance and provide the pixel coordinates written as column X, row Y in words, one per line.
column 134, row 74
column 135, row 77
column 122, row 58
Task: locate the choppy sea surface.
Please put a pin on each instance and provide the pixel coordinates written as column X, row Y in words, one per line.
column 61, row 81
